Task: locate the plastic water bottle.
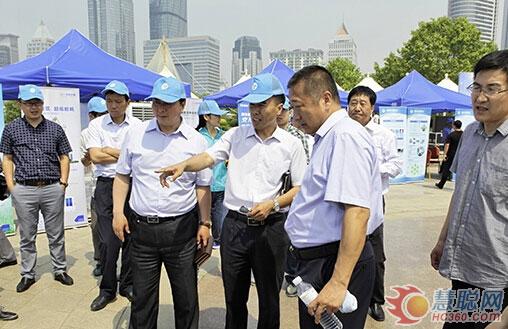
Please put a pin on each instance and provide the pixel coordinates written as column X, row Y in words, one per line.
column 307, row 294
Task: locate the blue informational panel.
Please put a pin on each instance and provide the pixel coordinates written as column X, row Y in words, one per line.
column 466, row 116
column 243, row 114
column 411, row 128
column 6, row 213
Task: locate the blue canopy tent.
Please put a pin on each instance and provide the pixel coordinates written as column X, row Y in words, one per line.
column 75, row 62
column 414, row 90
column 229, row 97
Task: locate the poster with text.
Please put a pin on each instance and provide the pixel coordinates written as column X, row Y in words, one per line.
column 190, row 112
column 244, row 114
column 395, row 119
column 62, row 106
column 466, row 116
column 417, row 140
column 6, row 212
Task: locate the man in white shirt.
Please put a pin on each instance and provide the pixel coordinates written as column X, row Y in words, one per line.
column 106, row 137
column 165, row 223
column 96, row 107
column 361, row 101
column 253, row 234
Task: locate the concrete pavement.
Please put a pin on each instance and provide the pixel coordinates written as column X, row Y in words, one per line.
column 415, row 213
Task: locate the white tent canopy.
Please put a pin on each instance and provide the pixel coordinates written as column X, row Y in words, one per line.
column 245, row 76
column 368, row 81
column 448, row 84
column 162, row 62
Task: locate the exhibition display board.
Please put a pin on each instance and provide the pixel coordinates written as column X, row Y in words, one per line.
column 6, row 212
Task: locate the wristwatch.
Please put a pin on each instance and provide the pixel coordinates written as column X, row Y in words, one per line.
column 64, row 184
column 207, row 224
column 276, row 205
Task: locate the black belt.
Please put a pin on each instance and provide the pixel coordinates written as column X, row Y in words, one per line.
column 156, row 219
column 253, row 222
column 105, row 179
column 321, row 251
column 37, row 182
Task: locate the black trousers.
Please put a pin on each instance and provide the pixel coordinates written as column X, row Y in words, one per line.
column 110, row 244
column 261, row 249
column 471, row 325
column 172, row 243
column 445, row 172
column 318, row 272
column 376, row 240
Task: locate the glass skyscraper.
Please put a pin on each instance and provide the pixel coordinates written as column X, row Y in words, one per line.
column 168, row 18
column 111, row 27
column 246, row 57
column 481, row 13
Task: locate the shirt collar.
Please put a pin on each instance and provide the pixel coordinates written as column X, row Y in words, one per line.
column 503, row 128
column 204, row 130
column 41, row 124
column 329, row 123
column 278, row 134
column 108, row 119
column 371, row 125
column 184, row 129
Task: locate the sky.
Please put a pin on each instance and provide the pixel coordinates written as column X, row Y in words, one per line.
column 378, row 27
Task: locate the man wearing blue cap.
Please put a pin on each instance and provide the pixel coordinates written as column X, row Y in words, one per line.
column 253, row 236
column 107, row 134
column 209, row 126
column 96, row 108
column 166, row 224
column 36, row 169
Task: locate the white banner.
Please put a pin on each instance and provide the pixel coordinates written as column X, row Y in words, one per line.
column 62, row 106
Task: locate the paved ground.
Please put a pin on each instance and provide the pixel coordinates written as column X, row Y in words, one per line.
column 414, row 217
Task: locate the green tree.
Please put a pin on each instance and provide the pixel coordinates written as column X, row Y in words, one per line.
column 11, row 111
column 344, row 72
column 439, row 46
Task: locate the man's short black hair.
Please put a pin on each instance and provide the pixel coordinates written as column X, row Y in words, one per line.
column 316, row 80
column 457, row 124
column 112, row 92
column 497, row 60
column 363, row 90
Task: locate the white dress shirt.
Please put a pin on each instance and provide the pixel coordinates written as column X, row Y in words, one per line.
column 255, row 166
column 146, row 148
column 105, row 133
column 390, row 164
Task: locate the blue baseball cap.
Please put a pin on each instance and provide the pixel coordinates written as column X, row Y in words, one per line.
column 210, row 107
column 168, row 90
column 286, row 105
column 28, row 92
column 263, row 87
column 96, row 104
column 117, row 87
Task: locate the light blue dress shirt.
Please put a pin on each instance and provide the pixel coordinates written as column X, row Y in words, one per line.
column 219, row 170
column 145, row 149
column 343, row 169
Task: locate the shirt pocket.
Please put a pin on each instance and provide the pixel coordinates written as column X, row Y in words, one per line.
column 496, row 182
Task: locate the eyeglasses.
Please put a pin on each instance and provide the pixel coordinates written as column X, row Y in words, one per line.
column 475, row 88
column 32, row 104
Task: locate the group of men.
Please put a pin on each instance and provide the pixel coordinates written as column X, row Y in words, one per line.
column 153, row 197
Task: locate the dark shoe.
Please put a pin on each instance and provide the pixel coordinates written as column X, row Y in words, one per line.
column 97, row 271
column 64, row 278
column 24, row 284
column 439, row 186
column 291, row 290
column 376, row 312
column 128, row 293
column 8, row 263
column 100, row 302
column 7, row 316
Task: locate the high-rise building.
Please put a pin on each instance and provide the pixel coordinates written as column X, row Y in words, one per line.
column 503, row 25
column 9, row 51
column 342, row 46
column 111, row 27
column 168, row 18
column 481, row 13
column 297, row 59
column 246, row 57
column 41, row 41
column 196, row 59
